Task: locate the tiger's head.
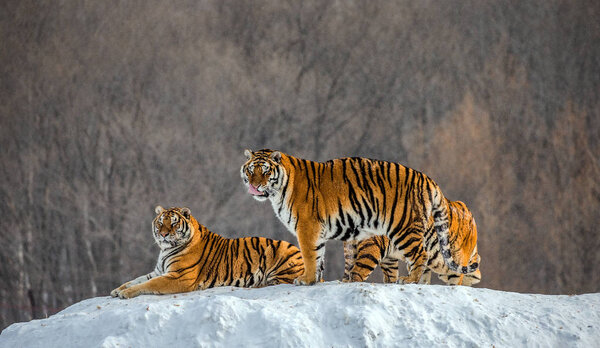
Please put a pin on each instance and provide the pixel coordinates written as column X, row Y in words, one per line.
column 172, row 227
column 262, row 173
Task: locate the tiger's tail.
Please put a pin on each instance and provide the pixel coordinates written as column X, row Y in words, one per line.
column 441, row 228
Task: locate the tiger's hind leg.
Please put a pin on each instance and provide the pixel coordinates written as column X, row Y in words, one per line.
column 416, row 270
column 426, row 277
column 350, row 250
column 286, row 267
column 412, row 245
column 285, row 277
column 277, row 281
column 369, row 253
column 389, row 268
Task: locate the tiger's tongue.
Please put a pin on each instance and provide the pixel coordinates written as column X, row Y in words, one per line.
column 253, row 191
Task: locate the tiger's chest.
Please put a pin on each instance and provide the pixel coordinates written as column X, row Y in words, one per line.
column 285, row 215
column 167, row 257
column 161, row 264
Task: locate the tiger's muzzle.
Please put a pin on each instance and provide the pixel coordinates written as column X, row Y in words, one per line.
column 255, row 192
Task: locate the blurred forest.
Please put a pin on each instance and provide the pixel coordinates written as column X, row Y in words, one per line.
column 108, row 108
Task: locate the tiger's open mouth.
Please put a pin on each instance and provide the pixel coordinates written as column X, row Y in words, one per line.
column 255, row 192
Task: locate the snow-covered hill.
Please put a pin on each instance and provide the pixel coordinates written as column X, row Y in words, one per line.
column 324, row 315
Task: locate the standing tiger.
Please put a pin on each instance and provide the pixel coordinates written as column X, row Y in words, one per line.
column 361, row 257
column 192, row 257
column 354, row 198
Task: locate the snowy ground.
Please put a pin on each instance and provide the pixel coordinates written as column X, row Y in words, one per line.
column 324, row 315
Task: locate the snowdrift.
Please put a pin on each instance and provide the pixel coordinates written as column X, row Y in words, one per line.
column 327, row 314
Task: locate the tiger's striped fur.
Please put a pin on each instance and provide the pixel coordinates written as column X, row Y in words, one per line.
column 353, row 198
column 192, row 257
column 361, row 257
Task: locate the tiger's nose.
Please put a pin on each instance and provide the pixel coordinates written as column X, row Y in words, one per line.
column 164, row 234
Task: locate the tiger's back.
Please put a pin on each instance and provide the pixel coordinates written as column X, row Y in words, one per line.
column 192, row 257
column 361, row 257
column 246, row 262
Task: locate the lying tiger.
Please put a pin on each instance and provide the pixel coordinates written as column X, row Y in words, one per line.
column 361, row 257
column 192, row 257
column 354, row 199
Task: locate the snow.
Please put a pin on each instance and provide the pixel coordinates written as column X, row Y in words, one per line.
column 324, row 315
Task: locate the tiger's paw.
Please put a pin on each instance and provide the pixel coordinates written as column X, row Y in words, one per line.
column 405, row 280
column 353, row 278
column 128, row 293
column 116, row 291
column 303, row 281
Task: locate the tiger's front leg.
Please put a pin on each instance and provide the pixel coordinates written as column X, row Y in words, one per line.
column 165, row 284
column 320, row 261
column 308, row 239
column 138, row 280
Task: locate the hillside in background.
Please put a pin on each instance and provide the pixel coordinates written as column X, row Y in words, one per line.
column 108, row 109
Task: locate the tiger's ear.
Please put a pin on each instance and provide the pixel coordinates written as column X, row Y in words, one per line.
column 186, row 212
column 276, row 156
column 159, row 209
column 248, row 153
